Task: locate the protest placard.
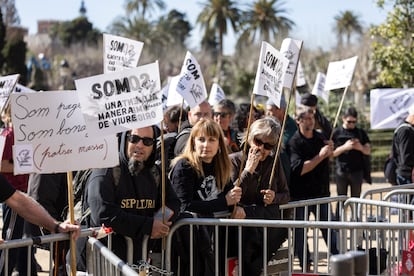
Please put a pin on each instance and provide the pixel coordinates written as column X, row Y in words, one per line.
column 191, row 85
column 7, row 84
column 50, row 135
column 300, row 76
column 216, row 94
column 319, row 87
column 339, row 74
column 270, row 73
column 120, row 101
column 291, row 48
column 120, row 53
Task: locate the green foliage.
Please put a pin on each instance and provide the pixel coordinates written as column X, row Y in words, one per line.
column 2, row 40
column 79, row 30
column 15, row 63
column 393, row 48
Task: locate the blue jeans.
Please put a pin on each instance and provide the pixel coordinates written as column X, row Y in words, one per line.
column 299, row 232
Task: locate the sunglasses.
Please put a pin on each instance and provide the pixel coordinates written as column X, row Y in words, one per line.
column 134, row 139
column 351, row 122
column 267, row 146
column 221, row 114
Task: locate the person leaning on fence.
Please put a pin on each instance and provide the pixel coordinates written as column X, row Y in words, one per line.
column 403, row 149
column 259, row 199
column 309, row 159
column 127, row 198
column 351, row 144
column 32, row 211
column 201, row 178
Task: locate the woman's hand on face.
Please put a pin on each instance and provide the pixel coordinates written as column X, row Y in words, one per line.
column 253, row 159
column 233, row 196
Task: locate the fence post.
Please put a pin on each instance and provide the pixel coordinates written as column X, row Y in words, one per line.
column 350, row 263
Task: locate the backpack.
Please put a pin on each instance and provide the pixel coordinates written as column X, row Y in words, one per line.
column 170, row 139
column 390, row 165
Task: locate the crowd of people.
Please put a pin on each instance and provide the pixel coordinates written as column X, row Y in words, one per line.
column 221, row 165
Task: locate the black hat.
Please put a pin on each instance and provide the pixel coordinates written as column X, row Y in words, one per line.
column 309, row 100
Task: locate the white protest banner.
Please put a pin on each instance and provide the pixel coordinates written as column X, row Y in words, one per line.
column 389, row 107
column 120, row 101
column 300, row 76
column 340, row 73
column 290, row 48
column 173, row 97
column 191, row 83
column 319, row 87
column 120, row 53
column 270, row 73
column 7, row 84
column 50, row 135
column 216, row 94
column 298, row 99
column 23, row 89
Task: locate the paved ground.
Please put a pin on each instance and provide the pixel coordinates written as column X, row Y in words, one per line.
column 42, row 256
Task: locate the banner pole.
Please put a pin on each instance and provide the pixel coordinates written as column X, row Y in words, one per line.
column 338, row 111
column 72, row 221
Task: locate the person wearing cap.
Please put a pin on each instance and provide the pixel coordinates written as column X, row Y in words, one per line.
column 403, row 149
column 322, row 124
column 351, row 145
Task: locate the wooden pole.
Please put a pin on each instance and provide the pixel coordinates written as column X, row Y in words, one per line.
column 72, row 220
column 339, row 111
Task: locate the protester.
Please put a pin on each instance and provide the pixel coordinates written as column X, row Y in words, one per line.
column 242, row 116
column 289, row 129
column 203, row 110
column 32, row 211
column 309, row 156
column 172, row 117
column 13, row 224
column 201, row 178
column 127, row 198
column 51, row 191
column 351, row 144
column 223, row 114
column 403, row 149
column 260, row 200
column 322, row 124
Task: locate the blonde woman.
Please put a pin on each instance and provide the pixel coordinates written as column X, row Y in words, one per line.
column 201, row 178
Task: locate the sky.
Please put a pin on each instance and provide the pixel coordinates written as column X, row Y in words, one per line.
column 314, row 19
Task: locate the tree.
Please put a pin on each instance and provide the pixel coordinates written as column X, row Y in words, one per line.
column 346, row 24
column 174, row 27
column 15, row 59
column 2, row 40
column 263, row 20
column 79, row 30
column 214, row 17
column 393, row 46
column 9, row 12
column 143, row 6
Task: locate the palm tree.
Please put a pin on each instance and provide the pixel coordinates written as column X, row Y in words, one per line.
column 213, row 19
column 347, row 23
column 263, row 20
column 143, row 6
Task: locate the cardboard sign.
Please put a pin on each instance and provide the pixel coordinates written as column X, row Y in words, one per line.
column 121, row 101
column 120, row 53
column 340, row 73
column 7, row 84
column 290, row 48
column 50, row 135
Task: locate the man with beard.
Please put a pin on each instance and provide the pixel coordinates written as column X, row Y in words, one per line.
column 126, row 198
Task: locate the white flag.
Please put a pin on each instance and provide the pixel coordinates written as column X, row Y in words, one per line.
column 270, row 74
column 340, row 73
column 389, row 107
column 290, row 48
column 319, row 87
column 7, row 84
column 120, row 101
column 120, row 53
column 191, row 83
column 298, row 99
column 300, row 76
column 216, row 94
column 173, row 97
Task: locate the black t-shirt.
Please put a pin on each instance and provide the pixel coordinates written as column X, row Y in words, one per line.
column 6, row 190
column 349, row 161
